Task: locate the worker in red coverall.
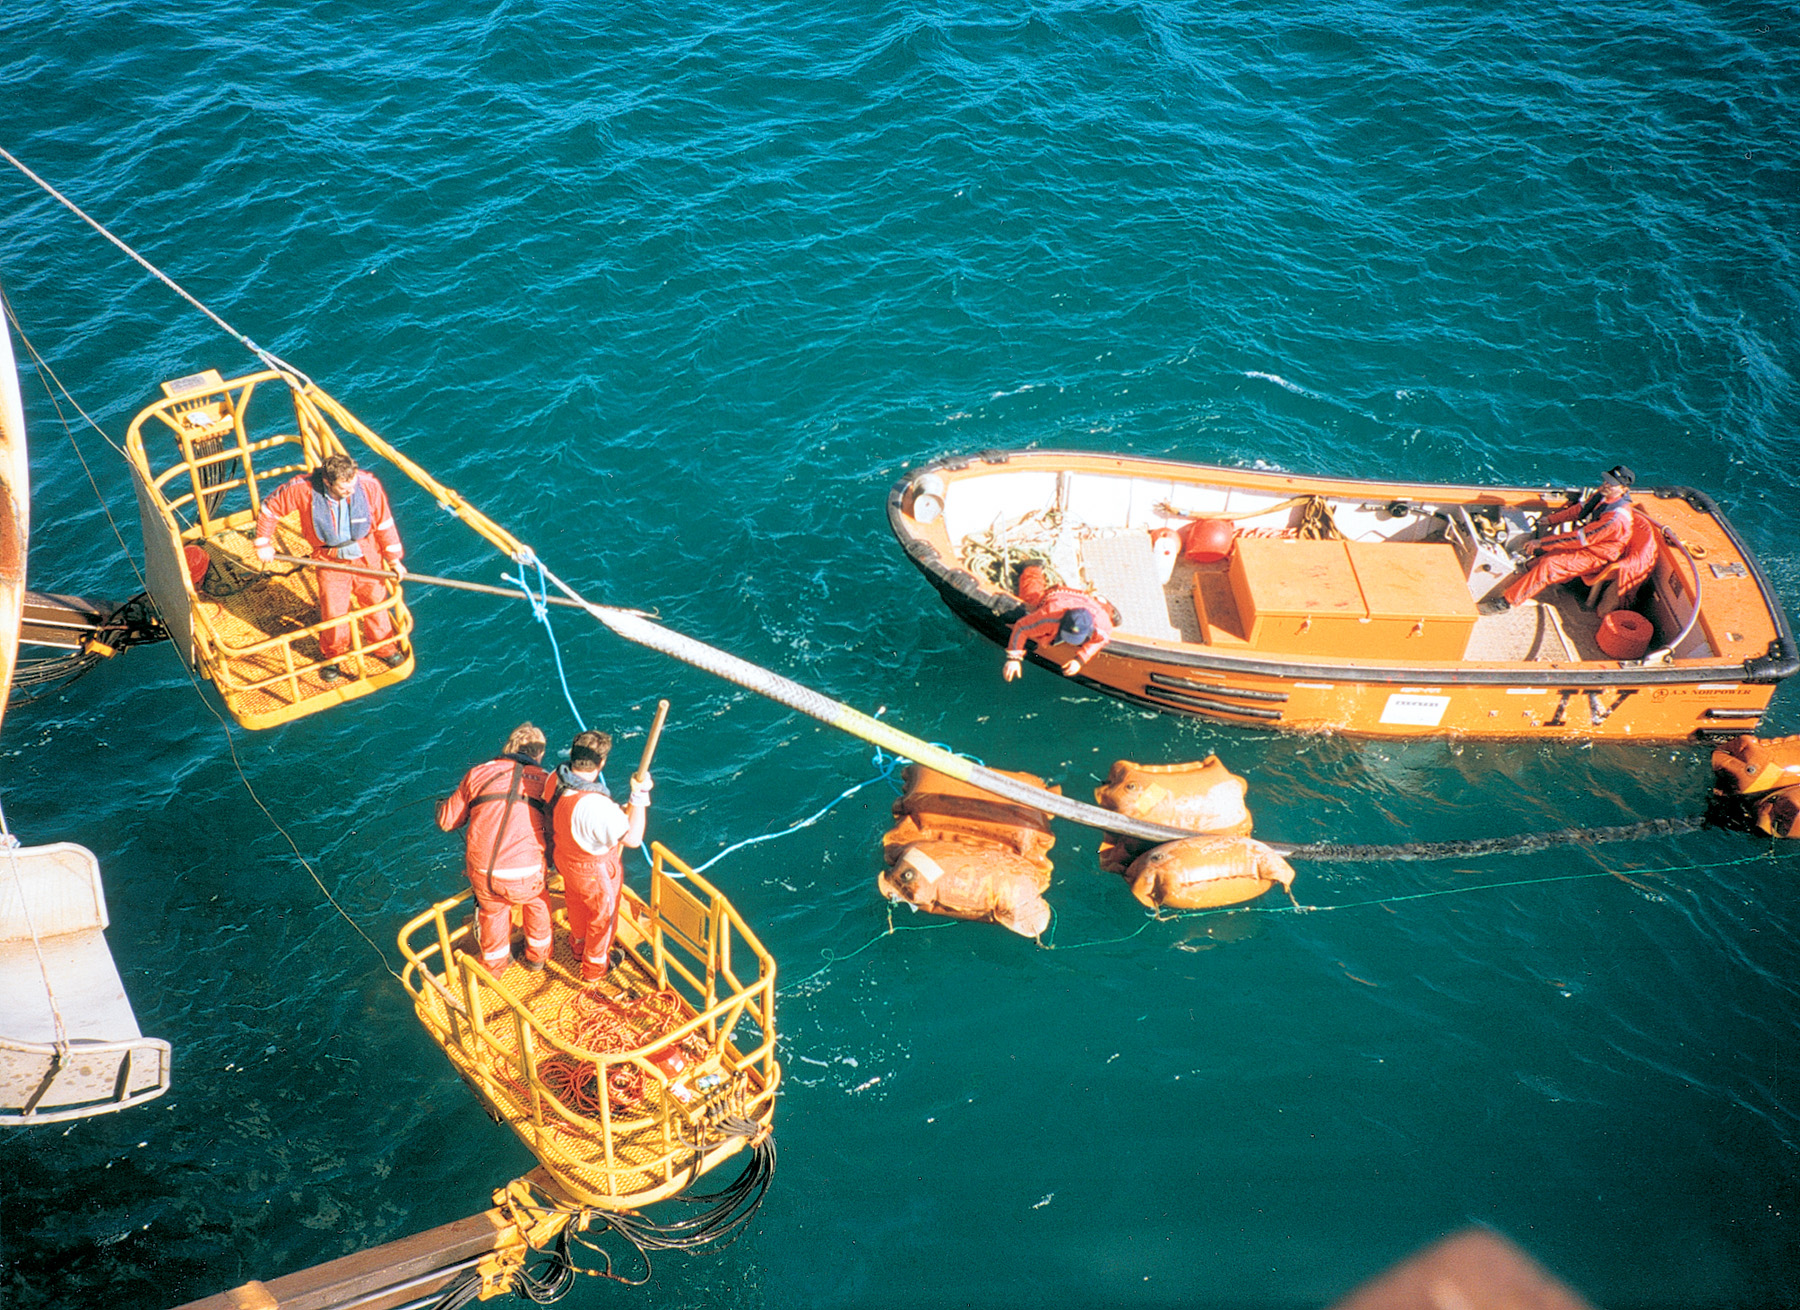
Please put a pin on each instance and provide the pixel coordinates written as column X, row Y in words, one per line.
column 344, row 515
column 1599, row 531
column 1059, row 615
column 588, row 836
column 502, row 804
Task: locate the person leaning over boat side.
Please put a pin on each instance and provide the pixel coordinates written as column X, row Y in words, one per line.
column 1600, row 530
column 588, row 834
column 344, row 515
column 502, row 803
column 1059, row 615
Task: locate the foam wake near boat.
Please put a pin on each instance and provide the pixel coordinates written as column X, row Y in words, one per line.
column 1319, row 604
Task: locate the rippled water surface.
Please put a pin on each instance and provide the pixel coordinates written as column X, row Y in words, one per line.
column 675, row 292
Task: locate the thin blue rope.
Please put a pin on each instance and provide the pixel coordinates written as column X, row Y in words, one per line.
column 885, row 766
column 540, row 606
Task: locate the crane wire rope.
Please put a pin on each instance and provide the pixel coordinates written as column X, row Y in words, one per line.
column 272, row 360
column 11, row 845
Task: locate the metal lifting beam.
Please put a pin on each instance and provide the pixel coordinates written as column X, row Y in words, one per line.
column 413, row 1270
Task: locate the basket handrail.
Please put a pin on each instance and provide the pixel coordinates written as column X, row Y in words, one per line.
column 417, row 959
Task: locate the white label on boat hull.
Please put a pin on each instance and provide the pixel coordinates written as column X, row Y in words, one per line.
column 1415, row 711
column 1528, row 691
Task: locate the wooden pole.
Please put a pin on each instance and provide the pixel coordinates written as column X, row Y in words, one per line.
column 643, row 769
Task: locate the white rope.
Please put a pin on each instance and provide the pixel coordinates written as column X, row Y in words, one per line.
column 702, row 656
column 273, row 360
column 838, row 715
column 11, row 843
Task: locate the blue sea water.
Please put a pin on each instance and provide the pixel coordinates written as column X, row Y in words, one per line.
column 675, row 292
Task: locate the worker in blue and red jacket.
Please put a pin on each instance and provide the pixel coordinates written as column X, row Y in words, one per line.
column 502, row 803
column 1599, row 530
column 344, row 515
column 1059, row 616
column 588, row 836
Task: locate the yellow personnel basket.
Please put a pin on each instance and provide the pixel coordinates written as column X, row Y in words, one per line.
column 629, row 1089
column 202, row 460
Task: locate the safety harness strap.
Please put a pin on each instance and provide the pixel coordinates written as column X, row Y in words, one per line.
column 512, row 798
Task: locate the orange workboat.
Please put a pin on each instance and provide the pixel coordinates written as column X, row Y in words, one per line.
column 1342, row 605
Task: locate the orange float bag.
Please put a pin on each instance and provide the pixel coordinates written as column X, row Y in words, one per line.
column 1745, row 766
column 961, row 881
column 958, row 851
column 1203, row 797
column 939, row 808
column 1202, row 872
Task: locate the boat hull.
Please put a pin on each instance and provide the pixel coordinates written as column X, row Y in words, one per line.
column 1694, row 691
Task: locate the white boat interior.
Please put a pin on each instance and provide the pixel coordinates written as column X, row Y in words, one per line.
column 1097, row 529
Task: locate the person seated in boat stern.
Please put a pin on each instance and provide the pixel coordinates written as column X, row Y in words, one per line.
column 588, row 836
column 1598, row 531
column 501, row 802
column 1059, row 615
column 344, row 515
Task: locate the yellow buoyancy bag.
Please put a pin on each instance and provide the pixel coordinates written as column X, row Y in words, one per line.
column 1201, row 872
column 1205, row 797
column 962, row 881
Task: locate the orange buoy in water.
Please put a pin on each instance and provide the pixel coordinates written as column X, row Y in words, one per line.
column 1625, row 634
column 1778, row 813
column 961, row 852
column 1203, row 797
column 1209, row 540
column 1744, row 766
column 961, row 881
column 1201, row 872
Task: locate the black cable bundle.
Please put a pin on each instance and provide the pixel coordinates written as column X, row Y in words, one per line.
column 132, row 624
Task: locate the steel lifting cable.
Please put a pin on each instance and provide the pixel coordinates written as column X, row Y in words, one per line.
column 272, row 360
column 1334, row 852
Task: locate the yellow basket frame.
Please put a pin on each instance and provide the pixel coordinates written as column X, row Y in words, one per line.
column 179, row 503
column 687, row 937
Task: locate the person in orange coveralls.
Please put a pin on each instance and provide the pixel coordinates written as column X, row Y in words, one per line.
column 1600, row 530
column 502, row 803
column 588, row 834
column 1058, row 615
column 344, row 515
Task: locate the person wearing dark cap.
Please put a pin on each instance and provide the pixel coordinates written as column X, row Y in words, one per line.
column 1598, row 531
column 1060, row 616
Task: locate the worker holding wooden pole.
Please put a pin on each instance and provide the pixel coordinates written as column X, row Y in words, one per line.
column 588, row 836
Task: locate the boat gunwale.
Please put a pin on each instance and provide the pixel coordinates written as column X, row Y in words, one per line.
column 1780, row 661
